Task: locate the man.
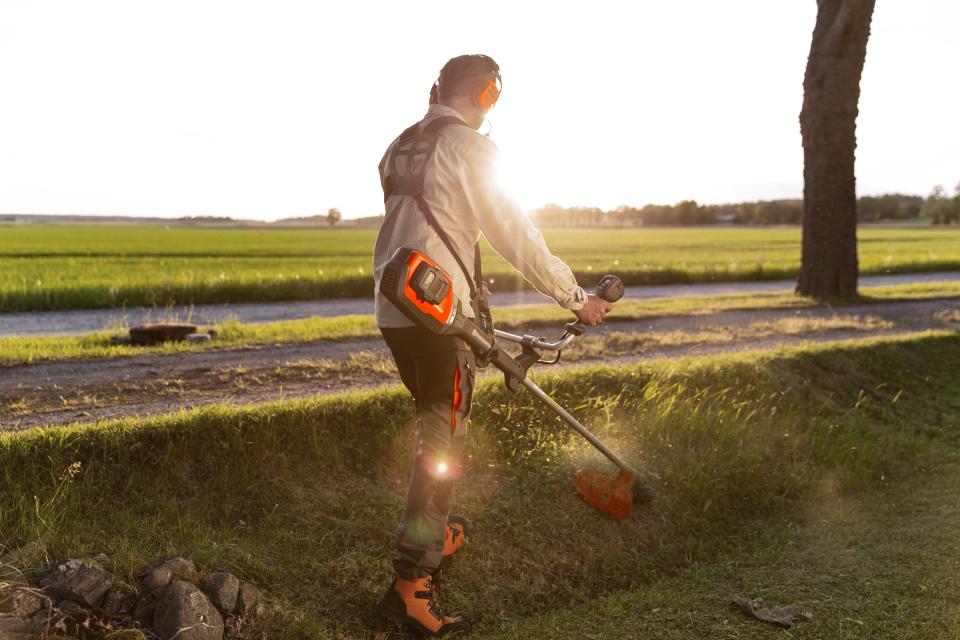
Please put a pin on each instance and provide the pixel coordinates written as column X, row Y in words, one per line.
column 439, row 196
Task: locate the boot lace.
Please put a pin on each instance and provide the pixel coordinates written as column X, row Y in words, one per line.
column 434, row 583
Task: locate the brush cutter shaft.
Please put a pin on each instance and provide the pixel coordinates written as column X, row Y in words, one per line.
column 423, row 291
column 573, row 422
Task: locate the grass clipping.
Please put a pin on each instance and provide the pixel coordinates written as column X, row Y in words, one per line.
column 303, row 497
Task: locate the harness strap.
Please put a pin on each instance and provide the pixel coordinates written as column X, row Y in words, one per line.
column 408, row 164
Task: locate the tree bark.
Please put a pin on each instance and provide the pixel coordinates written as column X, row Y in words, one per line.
column 831, row 91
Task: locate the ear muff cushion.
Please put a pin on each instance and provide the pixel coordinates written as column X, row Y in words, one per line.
column 485, row 93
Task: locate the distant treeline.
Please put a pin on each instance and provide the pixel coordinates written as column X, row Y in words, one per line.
column 940, row 208
column 689, row 212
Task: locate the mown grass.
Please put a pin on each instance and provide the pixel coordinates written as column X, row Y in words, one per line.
column 15, row 350
column 877, row 565
column 72, row 267
column 302, row 497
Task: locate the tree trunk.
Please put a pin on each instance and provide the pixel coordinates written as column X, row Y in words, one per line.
column 831, row 90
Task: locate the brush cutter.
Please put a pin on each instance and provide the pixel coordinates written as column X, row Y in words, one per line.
column 423, row 291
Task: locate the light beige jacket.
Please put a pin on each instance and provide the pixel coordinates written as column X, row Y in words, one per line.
column 460, row 189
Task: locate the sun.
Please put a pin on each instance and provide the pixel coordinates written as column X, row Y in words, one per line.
column 513, row 180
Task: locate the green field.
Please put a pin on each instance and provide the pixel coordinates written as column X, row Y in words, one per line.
column 72, row 267
column 823, row 477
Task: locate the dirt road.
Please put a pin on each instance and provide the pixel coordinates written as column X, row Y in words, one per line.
column 84, row 391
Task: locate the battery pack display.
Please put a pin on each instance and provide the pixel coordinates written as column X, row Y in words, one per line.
column 429, row 284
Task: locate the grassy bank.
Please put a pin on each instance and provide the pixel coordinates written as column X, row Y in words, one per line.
column 233, row 334
column 303, row 497
column 74, row 267
column 875, row 565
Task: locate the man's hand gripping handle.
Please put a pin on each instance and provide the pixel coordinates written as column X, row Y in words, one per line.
column 598, row 305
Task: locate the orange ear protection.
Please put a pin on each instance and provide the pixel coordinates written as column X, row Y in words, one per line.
column 485, row 91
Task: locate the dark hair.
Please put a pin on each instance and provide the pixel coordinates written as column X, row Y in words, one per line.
column 458, row 75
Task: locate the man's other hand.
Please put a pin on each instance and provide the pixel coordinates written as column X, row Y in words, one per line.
column 593, row 310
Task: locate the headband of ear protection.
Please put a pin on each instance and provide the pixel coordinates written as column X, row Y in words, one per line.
column 486, row 88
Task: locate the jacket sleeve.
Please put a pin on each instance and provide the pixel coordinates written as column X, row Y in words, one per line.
column 510, row 232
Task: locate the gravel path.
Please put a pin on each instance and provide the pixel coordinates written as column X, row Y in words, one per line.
column 61, row 392
column 88, row 321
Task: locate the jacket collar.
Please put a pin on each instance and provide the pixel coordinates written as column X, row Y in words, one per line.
column 438, row 110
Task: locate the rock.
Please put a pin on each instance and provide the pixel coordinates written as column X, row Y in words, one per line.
column 247, row 600
column 75, row 623
column 786, row 617
column 222, row 587
column 125, row 634
column 182, row 568
column 156, row 333
column 82, row 582
column 160, row 576
column 20, row 601
column 144, row 609
column 103, row 560
column 185, row 613
column 119, row 601
column 70, row 607
column 80, row 622
column 17, row 628
column 14, row 625
column 157, row 579
column 43, row 617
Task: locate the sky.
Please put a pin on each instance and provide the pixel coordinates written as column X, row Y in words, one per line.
column 265, row 110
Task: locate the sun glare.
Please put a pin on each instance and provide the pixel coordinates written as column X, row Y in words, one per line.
column 510, row 179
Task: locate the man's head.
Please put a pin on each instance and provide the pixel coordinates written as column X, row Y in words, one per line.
column 470, row 84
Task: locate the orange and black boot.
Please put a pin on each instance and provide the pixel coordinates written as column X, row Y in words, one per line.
column 454, row 537
column 413, row 603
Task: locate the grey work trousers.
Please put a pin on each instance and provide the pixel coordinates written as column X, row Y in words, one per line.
column 439, row 372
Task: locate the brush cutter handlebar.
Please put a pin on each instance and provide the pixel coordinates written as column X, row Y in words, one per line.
column 610, row 288
column 537, row 343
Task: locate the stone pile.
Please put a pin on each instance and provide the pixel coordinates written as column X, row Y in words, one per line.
column 82, row 600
